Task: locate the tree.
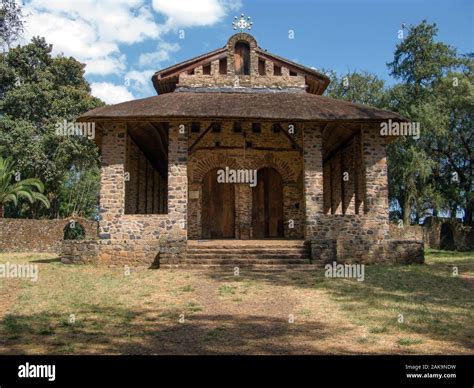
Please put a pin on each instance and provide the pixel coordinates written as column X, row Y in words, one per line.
column 419, row 62
column 361, row 88
column 40, row 91
column 30, row 189
column 11, row 23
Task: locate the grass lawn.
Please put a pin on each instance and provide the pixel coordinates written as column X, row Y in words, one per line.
column 417, row 309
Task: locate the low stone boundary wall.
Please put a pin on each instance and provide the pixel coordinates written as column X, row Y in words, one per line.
column 410, row 232
column 367, row 252
column 38, row 235
column 149, row 253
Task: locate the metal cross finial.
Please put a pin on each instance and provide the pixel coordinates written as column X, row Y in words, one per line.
column 242, row 23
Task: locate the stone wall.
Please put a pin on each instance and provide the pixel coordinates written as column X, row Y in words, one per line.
column 463, row 235
column 410, row 232
column 243, row 150
column 253, row 80
column 38, row 235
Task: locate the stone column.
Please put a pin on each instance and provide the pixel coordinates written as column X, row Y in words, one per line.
column 375, row 167
column 376, row 182
column 178, row 178
column 313, row 177
column 112, row 189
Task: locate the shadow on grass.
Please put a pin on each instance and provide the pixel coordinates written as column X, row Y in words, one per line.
column 135, row 332
column 433, row 302
column 46, row 261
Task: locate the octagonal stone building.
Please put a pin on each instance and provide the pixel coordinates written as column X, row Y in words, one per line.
column 240, row 160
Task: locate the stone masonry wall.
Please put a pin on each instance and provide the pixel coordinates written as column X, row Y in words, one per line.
column 230, row 152
column 253, row 80
column 38, row 235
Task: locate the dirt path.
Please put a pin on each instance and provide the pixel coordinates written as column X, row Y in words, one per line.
column 9, row 291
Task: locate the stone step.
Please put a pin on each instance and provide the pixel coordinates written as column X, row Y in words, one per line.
column 236, row 261
column 237, row 256
column 257, row 267
column 249, row 253
column 246, row 251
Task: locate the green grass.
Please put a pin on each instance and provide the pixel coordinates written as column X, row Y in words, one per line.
column 122, row 314
column 225, row 290
column 428, row 297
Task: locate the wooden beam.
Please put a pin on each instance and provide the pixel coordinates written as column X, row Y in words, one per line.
column 293, row 141
column 190, row 149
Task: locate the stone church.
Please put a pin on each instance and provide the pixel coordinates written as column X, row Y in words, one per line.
column 319, row 168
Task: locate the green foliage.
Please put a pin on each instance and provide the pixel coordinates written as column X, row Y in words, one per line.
column 39, row 91
column 420, row 170
column 74, row 231
column 362, row 88
column 12, row 189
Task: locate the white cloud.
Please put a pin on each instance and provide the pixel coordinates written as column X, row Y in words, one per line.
column 92, row 31
column 191, row 13
column 140, row 81
column 162, row 54
column 110, row 93
column 99, row 33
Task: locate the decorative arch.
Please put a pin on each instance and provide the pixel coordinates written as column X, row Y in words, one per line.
column 204, row 165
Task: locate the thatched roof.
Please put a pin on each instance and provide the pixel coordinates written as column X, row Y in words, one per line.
column 242, row 106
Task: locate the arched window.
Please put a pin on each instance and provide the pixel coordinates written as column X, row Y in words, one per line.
column 242, row 58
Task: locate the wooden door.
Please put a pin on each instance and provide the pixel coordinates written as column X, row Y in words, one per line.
column 218, row 208
column 267, row 209
column 242, row 58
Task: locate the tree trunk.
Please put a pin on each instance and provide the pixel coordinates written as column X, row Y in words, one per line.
column 406, row 210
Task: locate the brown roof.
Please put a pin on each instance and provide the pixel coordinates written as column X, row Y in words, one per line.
column 243, row 106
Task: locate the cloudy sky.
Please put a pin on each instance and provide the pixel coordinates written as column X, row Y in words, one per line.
column 123, row 42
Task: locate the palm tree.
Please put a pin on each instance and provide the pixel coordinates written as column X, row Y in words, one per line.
column 11, row 191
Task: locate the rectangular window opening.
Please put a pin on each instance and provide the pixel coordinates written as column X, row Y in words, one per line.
column 276, row 70
column 146, row 169
column 256, row 127
column 237, row 127
column 223, row 66
column 261, row 67
column 206, row 69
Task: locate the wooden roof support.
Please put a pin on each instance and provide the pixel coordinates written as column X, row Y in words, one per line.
column 191, row 148
column 293, row 141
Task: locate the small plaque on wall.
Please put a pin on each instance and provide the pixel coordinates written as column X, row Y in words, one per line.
column 194, row 194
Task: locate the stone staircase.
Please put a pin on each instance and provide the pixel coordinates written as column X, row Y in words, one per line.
column 262, row 254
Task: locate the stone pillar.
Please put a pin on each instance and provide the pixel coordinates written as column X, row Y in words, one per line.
column 348, row 178
column 336, row 184
column 375, row 168
column 177, row 176
column 112, row 189
column 313, row 177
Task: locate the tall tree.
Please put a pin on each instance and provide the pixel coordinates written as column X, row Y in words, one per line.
column 40, row 91
column 419, row 63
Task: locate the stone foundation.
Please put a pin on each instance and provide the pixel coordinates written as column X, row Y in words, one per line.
column 38, row 235
column 149, row 253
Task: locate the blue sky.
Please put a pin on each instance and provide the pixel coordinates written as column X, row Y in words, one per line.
column 124, row 41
